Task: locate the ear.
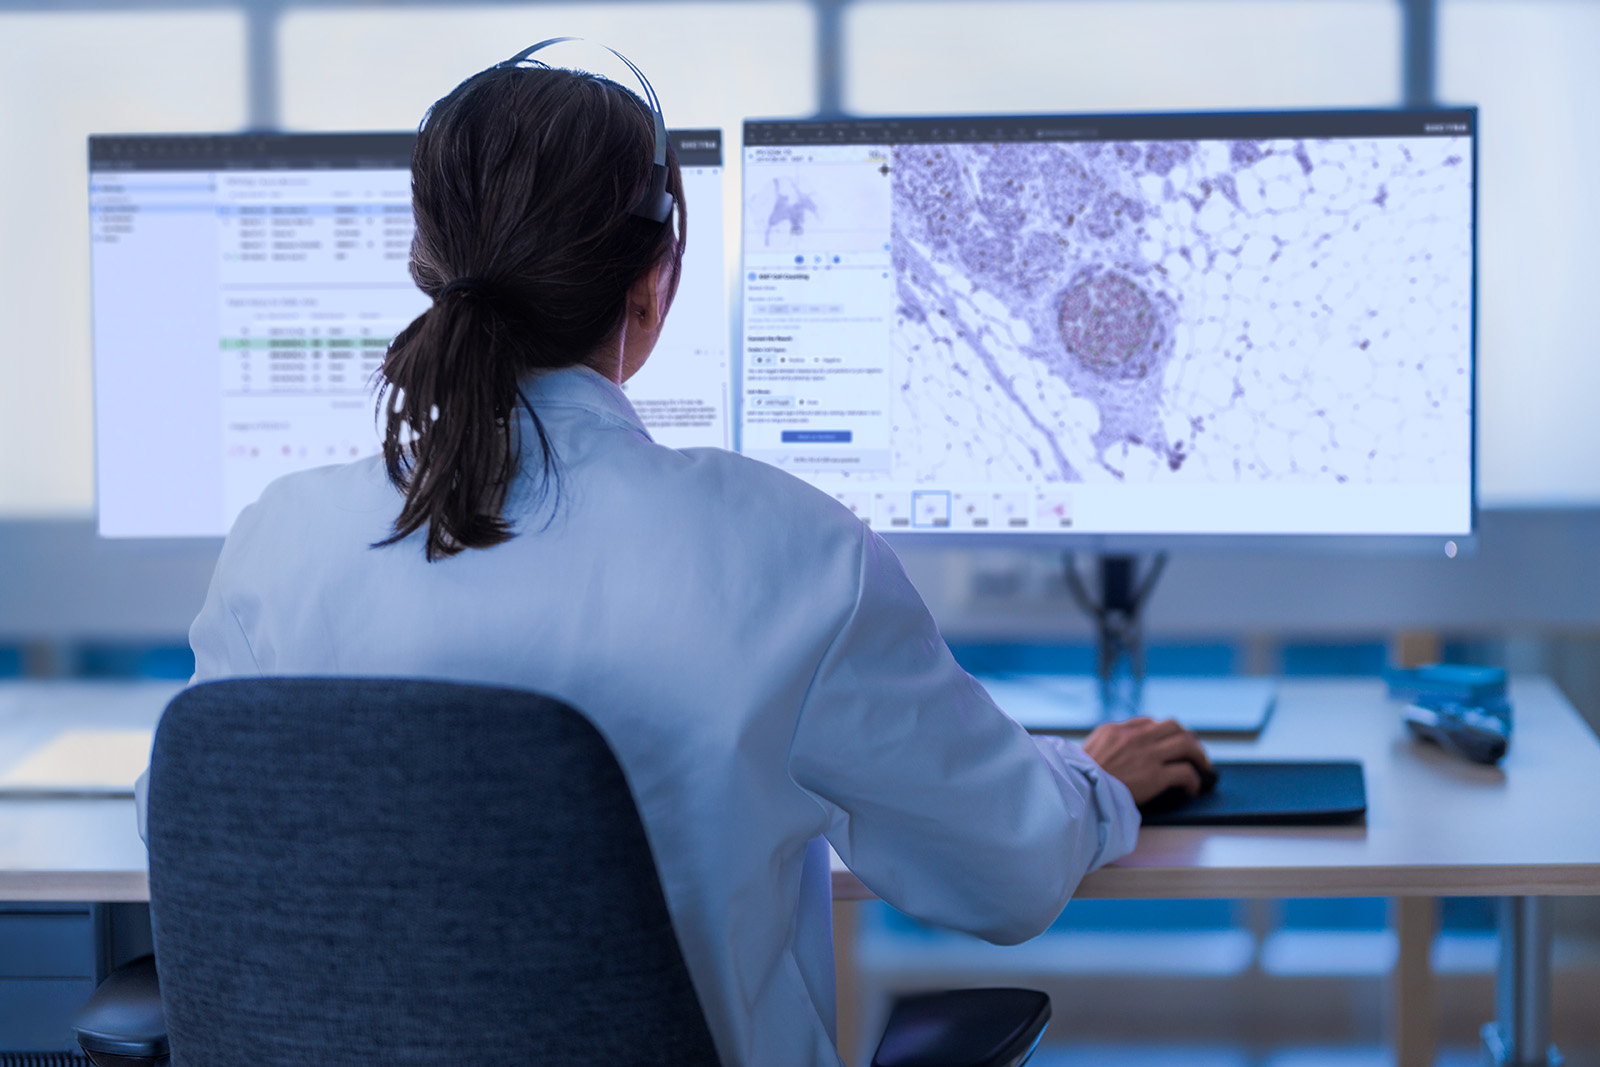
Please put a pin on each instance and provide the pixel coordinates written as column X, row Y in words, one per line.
column 650, row 296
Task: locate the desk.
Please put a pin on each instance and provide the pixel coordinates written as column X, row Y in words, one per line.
column 1436, row 826
column 73, row 849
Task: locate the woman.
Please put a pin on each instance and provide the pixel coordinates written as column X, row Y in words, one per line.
column 756, row 657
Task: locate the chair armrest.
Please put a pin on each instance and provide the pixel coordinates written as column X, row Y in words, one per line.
column 123, row 1025
column 964, row 1028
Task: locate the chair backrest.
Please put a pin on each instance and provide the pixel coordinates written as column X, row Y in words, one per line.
column 354, row 871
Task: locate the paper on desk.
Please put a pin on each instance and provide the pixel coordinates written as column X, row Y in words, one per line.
column 81, row 762
column 1038, row 705
column 1071, row 703
column 1211, row 705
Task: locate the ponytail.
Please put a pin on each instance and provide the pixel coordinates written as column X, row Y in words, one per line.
column 449, row 439
column 522, row 181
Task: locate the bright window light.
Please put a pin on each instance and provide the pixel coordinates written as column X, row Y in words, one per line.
column 1531, row 66
column 62, row 77
column 712, row 64
column 930, row 56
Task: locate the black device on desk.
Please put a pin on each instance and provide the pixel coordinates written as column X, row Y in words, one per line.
column 1267, row 793
column 1464, row 710
column 1479, row 734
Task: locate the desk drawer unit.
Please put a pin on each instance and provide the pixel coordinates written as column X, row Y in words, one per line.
column 48, row 957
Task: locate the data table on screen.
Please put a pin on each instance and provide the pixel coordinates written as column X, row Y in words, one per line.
column 247, row 288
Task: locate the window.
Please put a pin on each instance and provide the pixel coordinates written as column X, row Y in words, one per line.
column 921, row 56
column 1530, row 65
column 1527, row 63
column 712, row 64
column 62, row 77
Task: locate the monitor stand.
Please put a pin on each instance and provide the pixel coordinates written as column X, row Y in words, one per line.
column 1228, row 705
column 1119, row 629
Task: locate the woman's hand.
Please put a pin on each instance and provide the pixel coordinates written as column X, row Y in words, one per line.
column 1148, row 757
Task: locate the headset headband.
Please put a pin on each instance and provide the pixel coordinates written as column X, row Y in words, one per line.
column 656, row 204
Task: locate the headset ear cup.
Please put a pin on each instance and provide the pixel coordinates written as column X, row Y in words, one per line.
column 656, row 204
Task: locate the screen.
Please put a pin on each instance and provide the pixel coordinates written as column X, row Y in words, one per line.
column 1221, row 323
column 246, row 288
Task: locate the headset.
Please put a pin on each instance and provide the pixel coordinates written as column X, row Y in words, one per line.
column 656, row 204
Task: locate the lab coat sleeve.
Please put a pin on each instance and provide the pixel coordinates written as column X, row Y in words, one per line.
column 217, row 638
column 939, row 802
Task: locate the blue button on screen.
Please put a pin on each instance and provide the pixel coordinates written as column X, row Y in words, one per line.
column 816, row 437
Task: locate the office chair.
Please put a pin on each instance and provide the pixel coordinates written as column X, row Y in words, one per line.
column 348, row 871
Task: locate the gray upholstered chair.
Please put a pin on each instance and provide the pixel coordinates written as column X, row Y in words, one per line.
column 379, row 871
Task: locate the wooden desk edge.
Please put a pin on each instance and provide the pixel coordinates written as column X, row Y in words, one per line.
column 1127, row 883
column 1108, row 883
column 93, row 887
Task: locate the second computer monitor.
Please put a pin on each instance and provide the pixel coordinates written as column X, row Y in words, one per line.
column 1204, row 324
column 246, row 288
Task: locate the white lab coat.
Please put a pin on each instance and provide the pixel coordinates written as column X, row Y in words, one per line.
column 755, row 656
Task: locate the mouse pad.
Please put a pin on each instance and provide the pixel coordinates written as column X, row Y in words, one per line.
column 1268, row 793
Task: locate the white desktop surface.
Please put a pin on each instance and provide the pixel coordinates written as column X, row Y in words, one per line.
column 72, row 848
column 1435, row 825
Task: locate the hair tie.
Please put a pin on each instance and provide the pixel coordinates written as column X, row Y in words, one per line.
column 465, row 284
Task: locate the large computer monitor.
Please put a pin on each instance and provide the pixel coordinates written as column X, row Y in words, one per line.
column 1118, row 330
column 246, row 288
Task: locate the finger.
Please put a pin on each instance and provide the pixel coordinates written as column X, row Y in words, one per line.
column 1165, row 728
column 1181, row 773
column 1184, row 746
column 1112, row 736
column 1195, row 752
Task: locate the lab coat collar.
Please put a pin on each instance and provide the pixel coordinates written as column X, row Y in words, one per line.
column 583, row 388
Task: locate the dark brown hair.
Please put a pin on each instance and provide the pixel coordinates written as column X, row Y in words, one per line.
column 522, row 182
